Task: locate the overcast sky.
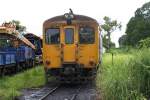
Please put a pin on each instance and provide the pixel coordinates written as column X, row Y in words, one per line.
column 32, row 13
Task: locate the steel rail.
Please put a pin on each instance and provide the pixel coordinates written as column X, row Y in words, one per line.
column 75, row 95
column 42, row 94
column 50, row 92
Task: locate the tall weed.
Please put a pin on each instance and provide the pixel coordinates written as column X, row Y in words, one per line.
column 127, row 78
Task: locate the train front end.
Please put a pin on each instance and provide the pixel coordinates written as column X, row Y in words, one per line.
column 71, row 46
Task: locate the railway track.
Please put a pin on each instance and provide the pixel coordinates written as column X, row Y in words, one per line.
column 71, row 96
column 45, row 93
column 75, row 94
column 41, row 94
column 62, row 92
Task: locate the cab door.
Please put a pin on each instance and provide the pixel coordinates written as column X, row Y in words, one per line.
column 69, row 55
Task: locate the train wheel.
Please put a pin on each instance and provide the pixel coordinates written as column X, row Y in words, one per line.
column 23, row 66
column 14, row 69
column 32, row 63
column 27, row 64
column 0, row 72
column 17, row 68
column 3, row 71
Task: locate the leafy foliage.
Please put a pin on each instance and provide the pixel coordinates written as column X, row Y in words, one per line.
column 122, row 40
column 109, row 26
column 105, row 42
column 128, row 78
column 145, row 43
column 19, row 27
column 138, row 28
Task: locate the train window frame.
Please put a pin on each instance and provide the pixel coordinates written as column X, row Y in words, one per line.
column 72, row 42
column 49, row 43
column 87, row 42
column 7, row 43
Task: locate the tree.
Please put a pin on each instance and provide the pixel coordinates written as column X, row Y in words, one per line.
column 122, row 40
column 138, row 28
column 19, row 27
column 144, row 43
column 105, row 42
column 110, row 26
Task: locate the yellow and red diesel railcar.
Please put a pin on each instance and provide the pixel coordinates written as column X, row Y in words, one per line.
column 71, row 46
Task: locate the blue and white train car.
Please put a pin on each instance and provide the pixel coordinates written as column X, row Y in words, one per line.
column 37, row 41
column 16, row 53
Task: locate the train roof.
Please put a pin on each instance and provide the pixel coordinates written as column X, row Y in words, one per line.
column 15, row 34
column 77, row 18
column 32, row 35
column 26, row 41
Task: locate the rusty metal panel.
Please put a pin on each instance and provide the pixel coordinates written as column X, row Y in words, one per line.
column 4, row 31
column 26, row 41
column 33, row 35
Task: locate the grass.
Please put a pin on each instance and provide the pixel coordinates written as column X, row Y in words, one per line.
column 10, row 86
column 128, row 78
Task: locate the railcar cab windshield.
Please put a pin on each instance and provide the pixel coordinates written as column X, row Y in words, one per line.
column 86, row 35
column 52, row 36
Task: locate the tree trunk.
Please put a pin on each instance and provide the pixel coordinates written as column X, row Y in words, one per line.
column 109, row 41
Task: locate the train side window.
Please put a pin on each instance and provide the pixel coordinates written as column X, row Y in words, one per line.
column 52, row 36
column 5, row 43
column 86, row 35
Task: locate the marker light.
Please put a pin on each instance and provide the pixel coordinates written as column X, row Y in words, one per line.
column 47, row 62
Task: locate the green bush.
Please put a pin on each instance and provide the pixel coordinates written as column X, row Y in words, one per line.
column 128, row 78
column 10, row 86
column 144, row 43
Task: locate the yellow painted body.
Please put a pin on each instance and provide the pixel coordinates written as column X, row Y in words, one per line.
column 73, row 57
column 71, row 53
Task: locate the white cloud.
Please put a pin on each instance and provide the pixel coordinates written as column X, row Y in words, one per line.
column 32, row 13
